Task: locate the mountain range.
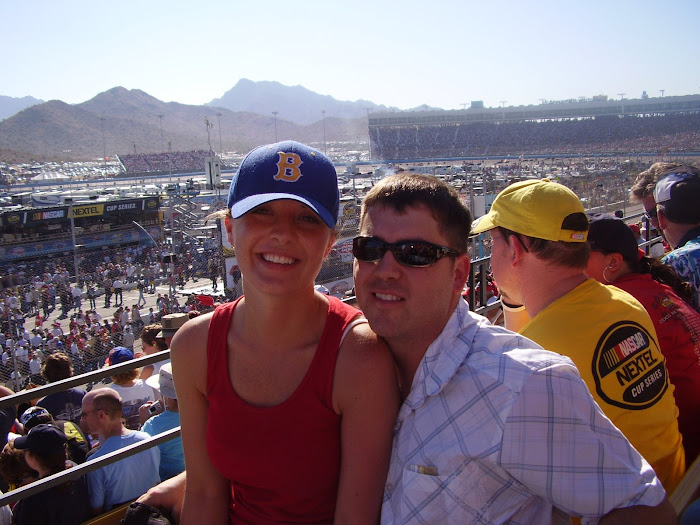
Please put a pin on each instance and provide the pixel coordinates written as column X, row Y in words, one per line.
column 120, row 121
column 11, row 105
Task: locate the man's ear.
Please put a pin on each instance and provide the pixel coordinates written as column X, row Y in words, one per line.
column 517, row 247
column 662, row 220
column 461, row 271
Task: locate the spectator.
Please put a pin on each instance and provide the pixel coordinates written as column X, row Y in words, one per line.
column 539, row 255
column 616, row 260
column 45, row 452
column 132, row 391
column 14, row 470
column 118, row 287
column 64, row 405
column 152, row 343
column 77, row 442
column 172, row 457
column 338, row 467
column 128, row 338
column 8, row 415
column 141, row 301
column 128, row 478
column 677, row 194
column 77, row 293
column 35, row 369
column 493, row 429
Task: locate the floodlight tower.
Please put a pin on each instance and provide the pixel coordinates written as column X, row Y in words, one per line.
column 162, row 140
column 221, row 149
column 368, row 134
column 104, row 147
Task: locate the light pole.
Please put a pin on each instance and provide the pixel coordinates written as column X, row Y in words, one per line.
column 369, row 135
column 209, row 125
column 275, row 114
column 324, row 131
column 104, row 147
column 162, row 140
column 221, row 149
column 75, row 248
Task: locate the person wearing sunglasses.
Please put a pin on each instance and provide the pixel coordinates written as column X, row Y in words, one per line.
column 642, row 191
column 677, row 195
column 295, row 395
column 493, row 428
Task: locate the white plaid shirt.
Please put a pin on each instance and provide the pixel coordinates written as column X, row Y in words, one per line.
column 497, row 430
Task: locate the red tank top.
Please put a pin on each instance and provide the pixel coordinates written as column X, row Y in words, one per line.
column 283, row 461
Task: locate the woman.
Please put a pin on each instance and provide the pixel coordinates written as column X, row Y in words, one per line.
column 615, row 259
column 152, row 344
column 45, row 452
column 133, row 391
column 298, row 397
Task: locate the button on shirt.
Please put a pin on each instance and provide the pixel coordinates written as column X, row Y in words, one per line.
column 496, row 430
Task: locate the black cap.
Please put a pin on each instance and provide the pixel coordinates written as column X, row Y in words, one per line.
column 43, row 439
column 610, row 234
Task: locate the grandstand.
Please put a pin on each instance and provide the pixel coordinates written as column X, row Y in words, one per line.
column 171, row 162
column 647, row 125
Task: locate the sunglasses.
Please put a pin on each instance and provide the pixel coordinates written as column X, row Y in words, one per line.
column 417, row 254
column 651, row 214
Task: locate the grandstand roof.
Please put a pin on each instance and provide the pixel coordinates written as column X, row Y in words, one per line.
column 550, row 110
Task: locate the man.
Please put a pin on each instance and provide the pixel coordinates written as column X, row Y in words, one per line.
column 677, row 196
column 64, row 404
column 493, row 429
column 539, row 254
column 167, row 416
column 118, row 287
column 128, row 478
column 77, row 293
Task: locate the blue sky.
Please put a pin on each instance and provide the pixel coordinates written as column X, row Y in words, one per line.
column 441, row 53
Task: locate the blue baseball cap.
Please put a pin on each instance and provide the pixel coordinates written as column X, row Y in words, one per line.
column 286, row 170
column 120, row 354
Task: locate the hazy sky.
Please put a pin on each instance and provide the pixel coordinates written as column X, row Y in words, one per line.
column 441, row 52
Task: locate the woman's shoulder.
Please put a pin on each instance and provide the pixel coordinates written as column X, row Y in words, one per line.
column 362, row 348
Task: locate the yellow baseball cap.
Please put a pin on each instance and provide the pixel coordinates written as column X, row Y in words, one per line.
column 536, row 208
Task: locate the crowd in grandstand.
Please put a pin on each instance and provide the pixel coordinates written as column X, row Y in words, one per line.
column 177, row 161
column 590, row 135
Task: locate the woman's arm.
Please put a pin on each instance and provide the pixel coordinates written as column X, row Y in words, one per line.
column 206, row 496
column 366, row 395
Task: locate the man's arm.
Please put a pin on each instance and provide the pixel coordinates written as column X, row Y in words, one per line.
column 642, row 515
column 556, row 432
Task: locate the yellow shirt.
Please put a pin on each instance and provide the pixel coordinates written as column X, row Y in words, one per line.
column 608, row 334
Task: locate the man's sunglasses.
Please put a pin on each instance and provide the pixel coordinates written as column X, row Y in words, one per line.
column 417, row 254
column 651, row 213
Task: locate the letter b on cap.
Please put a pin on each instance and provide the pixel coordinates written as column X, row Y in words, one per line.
column 288, row 167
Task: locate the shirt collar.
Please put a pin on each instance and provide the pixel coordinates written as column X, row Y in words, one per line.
column 690, row 234
column 444, row 356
